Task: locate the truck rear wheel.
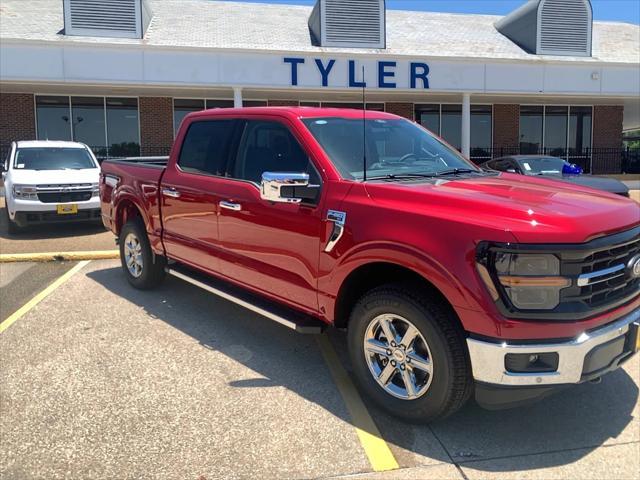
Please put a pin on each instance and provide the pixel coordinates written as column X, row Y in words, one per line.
column 144, row 269
column 408, row 354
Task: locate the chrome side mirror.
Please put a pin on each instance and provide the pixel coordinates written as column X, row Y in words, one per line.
column 279, row 186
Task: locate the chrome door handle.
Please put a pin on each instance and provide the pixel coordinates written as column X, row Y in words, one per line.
column 170, row 192
column 230, row 206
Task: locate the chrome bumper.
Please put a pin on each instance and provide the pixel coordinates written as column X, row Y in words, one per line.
column 488, row 359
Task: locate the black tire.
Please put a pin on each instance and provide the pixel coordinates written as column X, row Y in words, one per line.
column 451, row 382
column 12, row 227
column 152, row 270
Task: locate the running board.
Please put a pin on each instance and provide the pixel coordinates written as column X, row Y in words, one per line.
column 292, row 319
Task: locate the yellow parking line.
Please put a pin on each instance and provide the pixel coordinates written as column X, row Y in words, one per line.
column 374, row 446
column 40, row 296
column 52, row 256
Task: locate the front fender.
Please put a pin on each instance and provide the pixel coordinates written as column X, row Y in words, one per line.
column 405, row 256
column 447, row 282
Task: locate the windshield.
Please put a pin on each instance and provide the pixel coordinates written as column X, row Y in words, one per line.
column 53, row 158
column 542, row 165
column 394, row 148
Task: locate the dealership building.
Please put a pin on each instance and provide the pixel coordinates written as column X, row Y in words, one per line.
column 120, row 75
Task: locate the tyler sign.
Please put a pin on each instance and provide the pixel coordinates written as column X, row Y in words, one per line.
column 349, row 73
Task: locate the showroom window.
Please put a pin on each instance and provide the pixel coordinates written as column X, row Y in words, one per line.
column 531, row 128
column 109, row 125
column 562, row 131
column 446, row 121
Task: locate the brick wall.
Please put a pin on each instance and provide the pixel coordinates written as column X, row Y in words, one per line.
column 17, row 118
column 156, row 125
column 405, row 110
column 607, row 138
column 506, row 126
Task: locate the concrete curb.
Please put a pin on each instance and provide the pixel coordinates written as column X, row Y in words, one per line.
column 59, row 256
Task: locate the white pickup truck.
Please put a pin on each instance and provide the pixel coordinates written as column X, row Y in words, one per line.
column 49, row 182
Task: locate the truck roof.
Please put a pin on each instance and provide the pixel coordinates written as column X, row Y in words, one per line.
column 48, row 143
column 299, row 112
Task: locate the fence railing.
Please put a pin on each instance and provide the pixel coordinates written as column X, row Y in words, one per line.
column 600, row 160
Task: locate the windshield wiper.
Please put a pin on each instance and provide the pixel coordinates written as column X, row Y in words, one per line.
column 402, row 176
column 456, row 171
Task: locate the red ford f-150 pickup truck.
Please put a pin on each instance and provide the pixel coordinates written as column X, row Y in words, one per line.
column 450, row 281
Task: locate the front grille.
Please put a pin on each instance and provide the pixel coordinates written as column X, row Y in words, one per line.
column 64, row 197
column 607, row 279
column 77, row 192
column 599, row 270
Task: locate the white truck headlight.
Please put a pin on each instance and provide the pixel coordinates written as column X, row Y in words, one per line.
column 25, row 192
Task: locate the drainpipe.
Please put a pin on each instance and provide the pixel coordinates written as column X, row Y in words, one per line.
column 466, row 124
column 237, row 97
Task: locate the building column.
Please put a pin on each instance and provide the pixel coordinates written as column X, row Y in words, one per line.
column 506, row 129
column 401, row 109
column 156, row 125
column 466, row 125
column 237, row 97
column 607, row 139
column 17, row 120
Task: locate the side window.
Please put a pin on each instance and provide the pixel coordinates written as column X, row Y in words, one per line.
column 206, row 147
column 491, row 164
column 500, row 165
column 270, row 147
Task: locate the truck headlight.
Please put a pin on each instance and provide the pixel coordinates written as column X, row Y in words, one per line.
column 95, row 189
column 25, row 192
column 528, row 281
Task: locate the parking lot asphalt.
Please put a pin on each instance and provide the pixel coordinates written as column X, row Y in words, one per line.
column 100, row 380
column 54, row 238
column 20, row 281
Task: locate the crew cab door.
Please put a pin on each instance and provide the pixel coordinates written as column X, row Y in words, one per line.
column 188, row 191
column 270, row 247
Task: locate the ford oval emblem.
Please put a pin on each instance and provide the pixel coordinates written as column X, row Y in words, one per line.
column 633, row 267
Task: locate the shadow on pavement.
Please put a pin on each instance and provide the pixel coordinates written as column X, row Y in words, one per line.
column 583, row 417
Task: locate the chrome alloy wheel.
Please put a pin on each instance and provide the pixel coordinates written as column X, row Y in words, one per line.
column 398, row 356
column 133, row 255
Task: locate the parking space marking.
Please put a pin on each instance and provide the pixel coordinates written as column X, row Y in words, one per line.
column 15, row 316
column 378, row 452
column 52, row 256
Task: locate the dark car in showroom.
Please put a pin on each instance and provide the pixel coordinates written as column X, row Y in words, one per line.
column 554, row 168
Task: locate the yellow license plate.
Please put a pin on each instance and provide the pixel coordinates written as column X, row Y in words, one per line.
column 637, row 339
column 67, row 209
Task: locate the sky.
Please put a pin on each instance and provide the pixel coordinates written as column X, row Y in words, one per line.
column 605, row 10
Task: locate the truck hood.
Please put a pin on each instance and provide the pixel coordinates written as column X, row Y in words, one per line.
column 55, row 177
column 534, row 210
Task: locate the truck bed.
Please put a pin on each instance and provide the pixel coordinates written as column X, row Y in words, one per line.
column 134, row 181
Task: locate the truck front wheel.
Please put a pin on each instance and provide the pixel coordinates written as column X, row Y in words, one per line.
column 408, row 354
column 142, row 267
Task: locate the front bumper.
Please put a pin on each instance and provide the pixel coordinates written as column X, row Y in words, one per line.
column 33, row 212
column 587, row 356
column 20, row 205
column 24, row 219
